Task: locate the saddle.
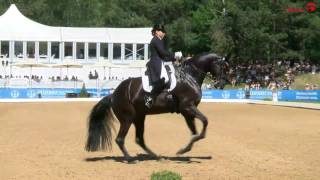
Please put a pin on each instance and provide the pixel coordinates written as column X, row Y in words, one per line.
column 167, row 73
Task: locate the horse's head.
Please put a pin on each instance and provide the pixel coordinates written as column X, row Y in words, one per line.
column 219, row 68
column 211, row 63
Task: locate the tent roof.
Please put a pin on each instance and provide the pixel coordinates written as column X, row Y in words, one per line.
column 15, row 26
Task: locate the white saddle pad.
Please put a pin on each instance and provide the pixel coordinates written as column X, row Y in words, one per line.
column 145, row 79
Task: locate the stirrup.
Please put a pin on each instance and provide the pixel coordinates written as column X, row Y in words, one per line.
column 148, row 101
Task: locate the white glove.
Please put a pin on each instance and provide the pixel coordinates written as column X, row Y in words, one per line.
column 178, row 55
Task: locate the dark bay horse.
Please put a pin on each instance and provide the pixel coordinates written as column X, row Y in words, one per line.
column 128, row 106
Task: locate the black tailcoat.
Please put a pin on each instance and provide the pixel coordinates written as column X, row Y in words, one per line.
column 158, row 54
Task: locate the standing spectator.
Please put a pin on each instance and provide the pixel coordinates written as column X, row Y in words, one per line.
column 314, row 69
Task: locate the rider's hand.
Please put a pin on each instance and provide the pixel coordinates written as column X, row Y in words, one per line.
column 178, row 55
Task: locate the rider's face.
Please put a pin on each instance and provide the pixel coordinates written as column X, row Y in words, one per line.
column 160, row 34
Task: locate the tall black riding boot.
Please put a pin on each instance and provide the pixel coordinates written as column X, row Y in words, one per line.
column 156, row 90
column 158, row 86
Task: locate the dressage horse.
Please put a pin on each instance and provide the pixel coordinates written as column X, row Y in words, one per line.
column 128, row 106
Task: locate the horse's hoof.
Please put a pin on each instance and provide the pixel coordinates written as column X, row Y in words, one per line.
column 181, row 151
column 130, row 160
column 160, row 158
column 155, row 156
column 133, row 161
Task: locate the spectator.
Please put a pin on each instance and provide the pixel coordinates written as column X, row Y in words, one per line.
column 90, row 75
column 307, row 87
column 96, row 75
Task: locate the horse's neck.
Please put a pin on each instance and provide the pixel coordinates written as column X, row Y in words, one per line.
column 193, row 72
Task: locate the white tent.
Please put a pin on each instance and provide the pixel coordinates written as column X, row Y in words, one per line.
column 72, row 34
column 130, row 35
column 22, row 38
column 14, row 26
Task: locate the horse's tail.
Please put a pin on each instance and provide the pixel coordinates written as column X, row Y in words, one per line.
column 100, row 126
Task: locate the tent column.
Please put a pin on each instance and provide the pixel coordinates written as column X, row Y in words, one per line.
column 61, row 46
column 11, row 50
column 24, row 50
column 110, row 52
column 74, row 51
column 134, row 51
column 146, row 52
column 36, row 51
column 49, row 51
column 122, row 52
column 98, row 51
column 86, row 51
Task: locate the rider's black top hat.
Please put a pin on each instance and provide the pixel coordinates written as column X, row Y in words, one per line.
column 158, row 27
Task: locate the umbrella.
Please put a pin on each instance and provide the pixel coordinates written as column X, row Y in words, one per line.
column 67, row 64
column 29, row 64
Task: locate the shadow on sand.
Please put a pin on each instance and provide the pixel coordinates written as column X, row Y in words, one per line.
column 145, row 157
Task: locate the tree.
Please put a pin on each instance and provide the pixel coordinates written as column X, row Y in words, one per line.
column 249, row 30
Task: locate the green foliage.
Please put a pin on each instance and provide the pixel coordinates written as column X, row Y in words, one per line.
column 83, row 92
column 248, row 30
column 165, row 175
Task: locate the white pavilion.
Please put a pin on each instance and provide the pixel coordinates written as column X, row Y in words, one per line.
column 22, row 39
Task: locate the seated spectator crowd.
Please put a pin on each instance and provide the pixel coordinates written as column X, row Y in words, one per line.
column 260, row 74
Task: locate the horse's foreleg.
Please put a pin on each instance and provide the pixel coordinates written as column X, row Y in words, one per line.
column 139, row 124
column 189, row 114
column 190, row 122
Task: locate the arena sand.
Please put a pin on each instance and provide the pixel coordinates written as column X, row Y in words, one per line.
column 244, row 141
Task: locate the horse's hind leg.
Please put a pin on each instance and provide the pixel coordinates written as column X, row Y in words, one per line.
column 189, row 114
column 139, row 124
column 124, row 128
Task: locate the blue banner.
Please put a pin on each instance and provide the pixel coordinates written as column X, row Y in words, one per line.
column 299, row 95
column 283, row 95
column 30, row 93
